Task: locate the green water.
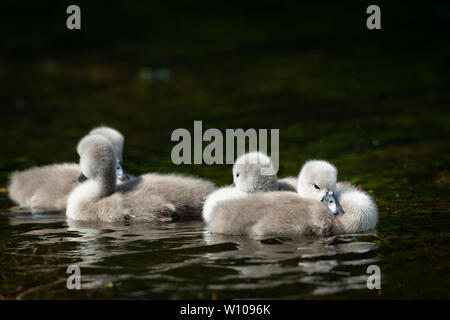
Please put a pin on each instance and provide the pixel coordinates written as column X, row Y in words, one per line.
column 375, row 105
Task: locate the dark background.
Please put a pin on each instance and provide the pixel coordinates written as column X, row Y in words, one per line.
column 312, row 70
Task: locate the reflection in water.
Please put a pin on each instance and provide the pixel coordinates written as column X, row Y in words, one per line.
column 182, row 260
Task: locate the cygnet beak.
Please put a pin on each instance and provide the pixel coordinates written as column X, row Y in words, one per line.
column 123, row 177
column 233, row 185
column 82, row 178
column 120, row 174
column 332, row 204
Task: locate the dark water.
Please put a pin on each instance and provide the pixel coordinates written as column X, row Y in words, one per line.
column 179, row 260
column 375, row 104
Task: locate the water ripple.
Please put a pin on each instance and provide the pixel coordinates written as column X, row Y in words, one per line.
column 174, row 260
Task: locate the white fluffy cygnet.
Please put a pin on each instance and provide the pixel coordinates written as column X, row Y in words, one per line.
column 146, row 198
column 317, row 209
column 254, row 172
column 47, row 187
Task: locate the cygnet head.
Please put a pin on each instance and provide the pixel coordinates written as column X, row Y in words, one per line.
column 254, row 172
column 117, row 141
column 97, row 159
column 317, row 181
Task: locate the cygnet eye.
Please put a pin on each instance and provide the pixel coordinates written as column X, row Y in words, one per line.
column 237, row 175
column 316, row 186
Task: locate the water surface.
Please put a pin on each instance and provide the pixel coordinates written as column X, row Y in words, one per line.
column 176, row 260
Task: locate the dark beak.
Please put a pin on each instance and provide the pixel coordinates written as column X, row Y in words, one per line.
column 233, row 184
column 82, row 178
column 123, row 177
column 332, row 204
column 120, row 174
